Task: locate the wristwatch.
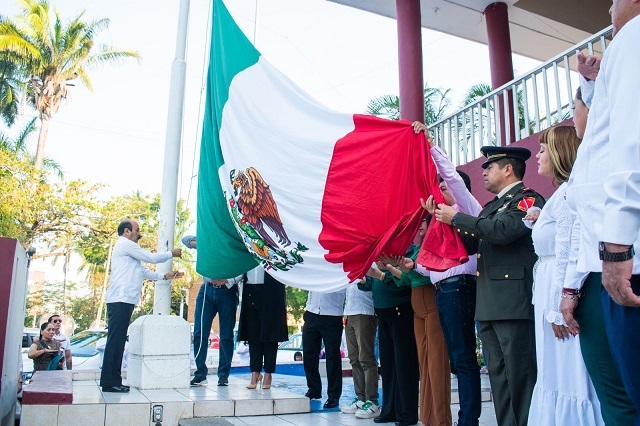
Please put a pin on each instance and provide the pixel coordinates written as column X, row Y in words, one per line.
column 615, row 257
column 453, row 219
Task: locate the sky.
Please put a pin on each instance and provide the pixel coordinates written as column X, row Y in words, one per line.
column 341, row 56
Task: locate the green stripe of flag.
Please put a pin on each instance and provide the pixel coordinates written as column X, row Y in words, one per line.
column 221, row 252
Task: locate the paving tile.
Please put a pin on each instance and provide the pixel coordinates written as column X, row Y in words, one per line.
column 82, row 415
column 202, row 394
column 245, row 394
column 281, row 394
column 77, row 382
column 260, row 420
column 164, row 395
column 254, row 407
column 127, row 414
column 39, row 414
column 82, row 375
column 309, row 420
column 236, row 421
column 344, row 419
column 208, row 408
column 93, row 397
column 291, row 405
column 134, row 396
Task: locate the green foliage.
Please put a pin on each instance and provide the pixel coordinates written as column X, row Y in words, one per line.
column 68, row 217
column 41, row 53
column 480, row 90
column 83, row 311
column 11, row 83
column 296, row 301
column 436, row 102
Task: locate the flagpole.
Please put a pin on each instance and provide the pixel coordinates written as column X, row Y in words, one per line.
column 255, row 24
column 168, row 199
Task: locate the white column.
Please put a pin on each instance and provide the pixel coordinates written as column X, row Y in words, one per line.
column 162, row 298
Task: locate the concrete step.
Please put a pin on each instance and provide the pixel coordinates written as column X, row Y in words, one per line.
column 49, row 387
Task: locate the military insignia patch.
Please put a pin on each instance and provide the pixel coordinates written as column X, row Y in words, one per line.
column 509, row 196
column 526, row 203
column 255, row 216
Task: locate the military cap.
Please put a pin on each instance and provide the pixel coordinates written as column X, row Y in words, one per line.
column 495, row 153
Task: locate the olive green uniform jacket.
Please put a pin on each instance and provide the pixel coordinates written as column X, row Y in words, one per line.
column 505, row 255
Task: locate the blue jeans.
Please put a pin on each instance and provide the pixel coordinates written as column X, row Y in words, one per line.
column 211, row 301
column 456, row 302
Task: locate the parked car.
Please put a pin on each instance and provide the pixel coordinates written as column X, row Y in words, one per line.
column 84, row 352
column 213, row 341
column 28, row 336
column 288, row 350
column 291, row 350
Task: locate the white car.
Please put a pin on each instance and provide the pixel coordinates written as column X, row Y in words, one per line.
column 28, row 336
column 84, row 349
column 287, row 351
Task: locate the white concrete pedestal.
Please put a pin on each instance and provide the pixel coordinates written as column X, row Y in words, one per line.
column 159, row 352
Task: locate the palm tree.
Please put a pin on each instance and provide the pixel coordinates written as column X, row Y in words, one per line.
column 18, row 147
column 53, row 53
column 11, row 84
column 436, row 102
column 480, row 90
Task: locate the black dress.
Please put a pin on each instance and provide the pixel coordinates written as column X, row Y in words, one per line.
column 263, row 322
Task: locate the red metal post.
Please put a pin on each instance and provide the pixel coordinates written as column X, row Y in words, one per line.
column 501, row 63
column 410, row 60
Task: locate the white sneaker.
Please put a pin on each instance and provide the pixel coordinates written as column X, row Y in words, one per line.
column 368, row 411
column 355, row 405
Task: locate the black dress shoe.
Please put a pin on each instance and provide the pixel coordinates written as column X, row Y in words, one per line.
column 118, row 389
column 381, row 419
column 331, row 402
column 311, row 395
column 405, row 424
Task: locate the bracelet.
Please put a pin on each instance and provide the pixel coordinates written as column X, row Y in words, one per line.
column 572, row 292
column 570, row 296
column 382, row 275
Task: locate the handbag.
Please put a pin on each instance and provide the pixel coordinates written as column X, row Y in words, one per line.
column 54, row 364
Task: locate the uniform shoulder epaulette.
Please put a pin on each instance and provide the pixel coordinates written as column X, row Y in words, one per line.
column 524, row 190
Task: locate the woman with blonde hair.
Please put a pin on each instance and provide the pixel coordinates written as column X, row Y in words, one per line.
column 564, row 393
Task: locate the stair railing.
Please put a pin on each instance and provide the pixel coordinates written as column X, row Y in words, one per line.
column 537, row 100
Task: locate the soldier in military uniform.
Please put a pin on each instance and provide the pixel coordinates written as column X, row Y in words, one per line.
column 504, row 279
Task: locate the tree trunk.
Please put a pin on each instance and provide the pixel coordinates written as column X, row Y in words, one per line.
column 42, row 139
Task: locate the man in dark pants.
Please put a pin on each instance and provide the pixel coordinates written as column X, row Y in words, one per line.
column 504, row 279
column 216, row 297
column 323, row 322
column 123, row 294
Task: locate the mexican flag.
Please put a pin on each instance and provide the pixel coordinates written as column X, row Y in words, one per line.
column 312, row 195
